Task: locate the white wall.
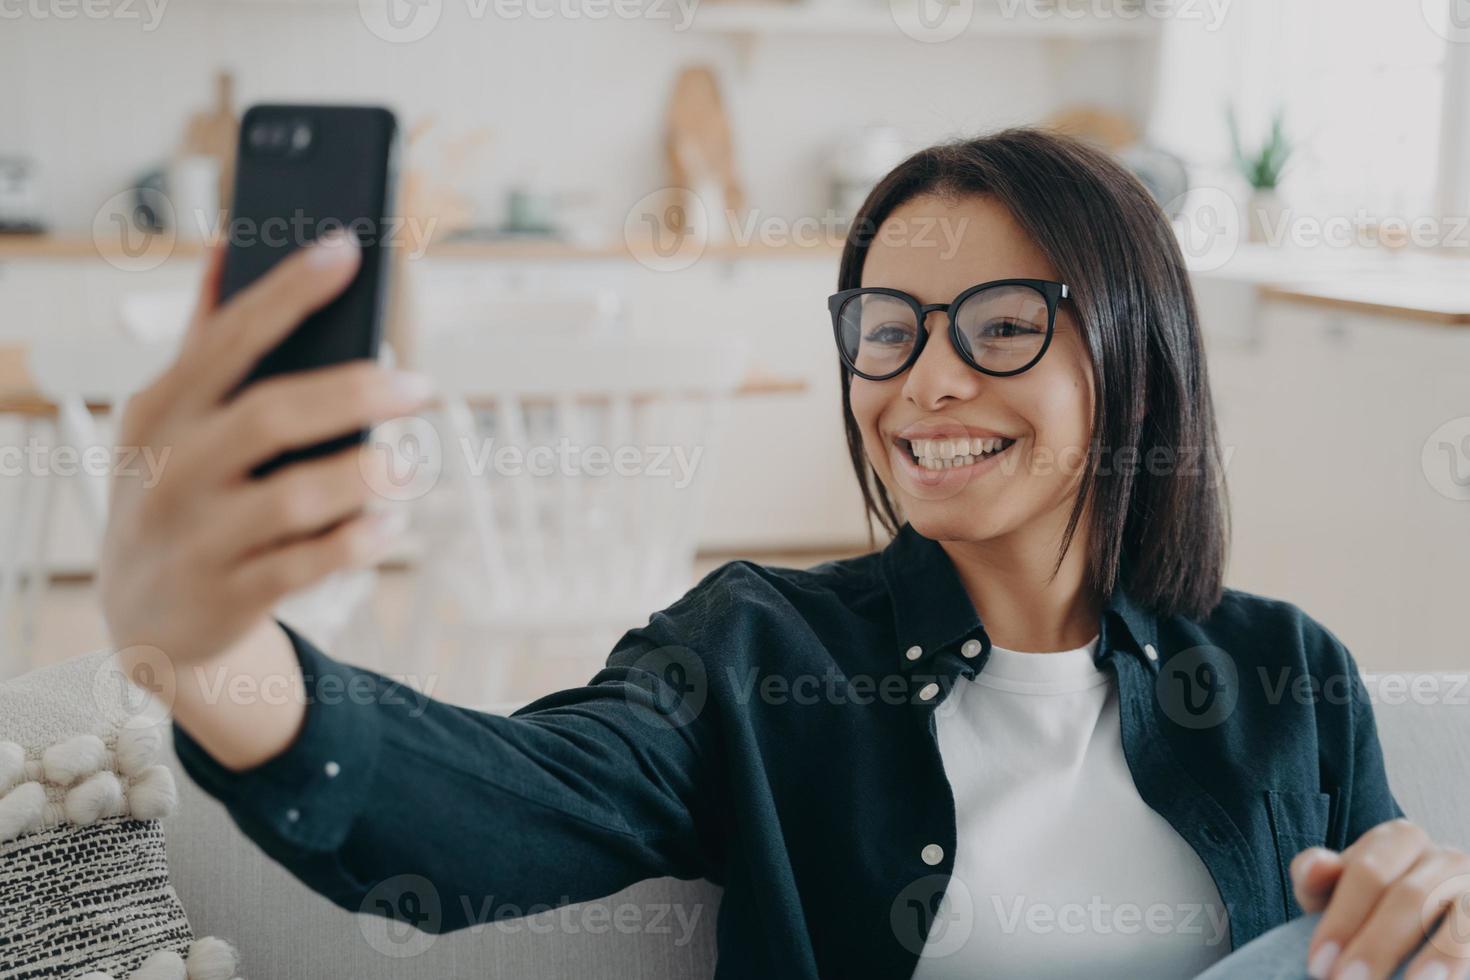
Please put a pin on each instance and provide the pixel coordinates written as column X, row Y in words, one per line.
column 572, row 103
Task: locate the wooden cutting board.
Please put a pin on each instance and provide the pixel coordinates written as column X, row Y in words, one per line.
column 214, row 133
column 698, row 144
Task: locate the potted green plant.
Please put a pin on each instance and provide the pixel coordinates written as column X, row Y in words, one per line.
column 1262, row 169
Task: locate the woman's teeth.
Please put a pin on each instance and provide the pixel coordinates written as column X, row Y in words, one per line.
column 945, row 454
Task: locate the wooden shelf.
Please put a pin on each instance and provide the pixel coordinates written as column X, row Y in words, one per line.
column 82, row 247
column 1446, row 305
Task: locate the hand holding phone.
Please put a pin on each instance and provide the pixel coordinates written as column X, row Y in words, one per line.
column 198, row 559
column 278, row 365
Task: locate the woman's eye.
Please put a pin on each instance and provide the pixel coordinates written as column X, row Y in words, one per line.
column 888, row 333
column 1005, row 329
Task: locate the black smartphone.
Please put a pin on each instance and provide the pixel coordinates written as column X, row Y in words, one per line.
column 300, row 172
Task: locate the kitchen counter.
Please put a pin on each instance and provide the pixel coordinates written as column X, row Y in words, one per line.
column 1432, row 288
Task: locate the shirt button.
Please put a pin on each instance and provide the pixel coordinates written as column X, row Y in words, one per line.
column 914, row 653
column 332, row 769
column 971, row 648
column 932, row 854
column 1150, row 652
column 293, row 814
column 927, row 692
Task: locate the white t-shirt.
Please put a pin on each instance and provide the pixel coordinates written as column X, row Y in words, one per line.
column 1061, row 870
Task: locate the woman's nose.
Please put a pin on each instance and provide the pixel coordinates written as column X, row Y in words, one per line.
column 940, row 375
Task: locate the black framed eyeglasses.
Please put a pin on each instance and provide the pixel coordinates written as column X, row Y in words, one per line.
column 999, row 328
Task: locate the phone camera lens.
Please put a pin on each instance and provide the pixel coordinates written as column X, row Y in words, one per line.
column 300, row 136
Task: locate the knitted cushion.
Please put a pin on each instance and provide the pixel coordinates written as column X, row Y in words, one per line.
column 84, row 886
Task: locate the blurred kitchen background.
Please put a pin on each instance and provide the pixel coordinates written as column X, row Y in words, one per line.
column 663, row 186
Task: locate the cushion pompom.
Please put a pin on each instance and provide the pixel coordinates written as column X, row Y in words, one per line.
column 138, row 747
column 98, row 796
column 82, row 786
column 212, row 959
column 162, row 965
column 12, row 765
column 153, row 794
column 21, row 809
column 66, row 762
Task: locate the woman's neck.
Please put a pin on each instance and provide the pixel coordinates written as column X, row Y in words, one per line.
column 1023, row 606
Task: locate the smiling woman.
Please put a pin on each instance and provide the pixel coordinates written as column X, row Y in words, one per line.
column 1107, row 338
column 1060, row 709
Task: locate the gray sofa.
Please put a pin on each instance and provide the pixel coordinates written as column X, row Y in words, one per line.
column 660, row 928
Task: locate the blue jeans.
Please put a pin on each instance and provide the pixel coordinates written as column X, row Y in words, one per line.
column 1280, row 954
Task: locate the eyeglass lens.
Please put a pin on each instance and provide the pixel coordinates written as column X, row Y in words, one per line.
column 1001, row 329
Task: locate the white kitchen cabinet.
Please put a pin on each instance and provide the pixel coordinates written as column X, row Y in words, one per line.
column 1325, row 416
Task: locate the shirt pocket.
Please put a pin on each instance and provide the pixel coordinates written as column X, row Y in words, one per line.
column 1298, row 821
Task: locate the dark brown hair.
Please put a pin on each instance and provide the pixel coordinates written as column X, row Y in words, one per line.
column 1114, row 247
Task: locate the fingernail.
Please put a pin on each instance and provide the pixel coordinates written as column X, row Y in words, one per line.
column 1322, row 960
column 1356, row 970
column 335, row 246
column 411, row 385
column 1312, row 856
column 1433, row 970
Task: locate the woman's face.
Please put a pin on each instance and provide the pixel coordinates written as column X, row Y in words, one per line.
column 1046, row 410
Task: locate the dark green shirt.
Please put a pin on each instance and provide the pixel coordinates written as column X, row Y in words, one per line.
column 773, row 731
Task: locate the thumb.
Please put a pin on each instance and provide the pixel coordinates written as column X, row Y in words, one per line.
column 1314, row 874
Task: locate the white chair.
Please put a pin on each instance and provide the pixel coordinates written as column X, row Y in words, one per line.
column 563, row 561
column 87, row 381
column 74, row 376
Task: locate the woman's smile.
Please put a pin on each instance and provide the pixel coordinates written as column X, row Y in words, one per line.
column 936, row 462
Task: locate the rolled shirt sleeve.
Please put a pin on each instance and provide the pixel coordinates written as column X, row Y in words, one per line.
column 1354, row 765
column 572, row 797
column 1372, row 801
